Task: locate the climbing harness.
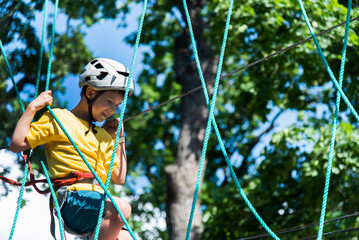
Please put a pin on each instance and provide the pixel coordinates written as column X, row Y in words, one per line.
column 71, row 178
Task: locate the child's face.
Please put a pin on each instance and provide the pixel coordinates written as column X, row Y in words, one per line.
column 106, row 105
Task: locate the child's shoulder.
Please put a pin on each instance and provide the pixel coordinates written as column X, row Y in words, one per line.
column 60, row 113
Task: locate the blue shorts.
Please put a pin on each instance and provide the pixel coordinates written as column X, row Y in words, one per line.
column 80, row 210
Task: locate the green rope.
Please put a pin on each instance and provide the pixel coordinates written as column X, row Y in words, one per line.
column 19, row 200
column 53, row 194
column 42, row 48
column 124, row 104
column 211, row 116
column 332, row 140
column 51, row 46
column 11, row 76
column 216, row 127
column 26, row 167
column 332, row 77
column 90, row 168
column 53, row 31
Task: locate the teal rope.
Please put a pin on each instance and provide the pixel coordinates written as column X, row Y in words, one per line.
column 339, row 93
column 26, row 168
column 124, row 104
column 11, row 76
column 336, row 84
column 332, row 140
column 53, row 194
column 53, row 31
column 90, row 168
column 19, row 200
column 51, row 46
column 42, row 48
column 210, row 118
column 216, row 127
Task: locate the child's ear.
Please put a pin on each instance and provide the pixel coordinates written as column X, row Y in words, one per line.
column 90, row 92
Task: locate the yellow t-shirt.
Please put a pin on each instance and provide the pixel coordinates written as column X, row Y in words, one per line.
column 62, row 156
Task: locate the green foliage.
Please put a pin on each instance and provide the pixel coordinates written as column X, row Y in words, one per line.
column 294, row 80
column 286, row 183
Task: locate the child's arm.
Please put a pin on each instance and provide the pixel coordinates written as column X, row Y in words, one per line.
column 119, row 174
column 18, row 141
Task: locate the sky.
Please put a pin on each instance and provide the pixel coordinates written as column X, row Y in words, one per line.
column 105, row 40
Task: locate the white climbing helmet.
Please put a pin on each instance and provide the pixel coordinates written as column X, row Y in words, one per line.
column 105, row 74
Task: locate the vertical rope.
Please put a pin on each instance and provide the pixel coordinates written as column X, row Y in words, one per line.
column 210, row 118
column 42, row 48
column 88, row 165
column 233, row 174
column 339, row 94
column 26, row 167
column 123, row 108
column 51, row 46
column 332, row 140
column 332, row 77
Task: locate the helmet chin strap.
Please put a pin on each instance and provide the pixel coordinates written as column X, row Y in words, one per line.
column 90, row 103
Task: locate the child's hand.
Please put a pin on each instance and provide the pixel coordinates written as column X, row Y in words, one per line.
column 111, row 126
column 42, row 100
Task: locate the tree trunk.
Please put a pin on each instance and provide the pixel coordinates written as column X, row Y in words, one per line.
column 181, row 177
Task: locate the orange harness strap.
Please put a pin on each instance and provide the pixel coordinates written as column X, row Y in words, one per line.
column 69, row 179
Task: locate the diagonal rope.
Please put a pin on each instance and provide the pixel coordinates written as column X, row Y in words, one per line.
column 26, row 167
column 123, row 108
column 11, row 76
column 233, row 174
column 66, row 133
column 53, row 31
column 237, row 70
column 330, row 72
column 332, row 140
column 211, row 116
column 88, row 165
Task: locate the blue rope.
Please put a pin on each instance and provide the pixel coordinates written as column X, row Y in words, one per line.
column 211, row 116
column 124, row 104
column 332, row 140
column 233, row 174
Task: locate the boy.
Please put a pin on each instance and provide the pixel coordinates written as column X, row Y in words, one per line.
column 103, row 84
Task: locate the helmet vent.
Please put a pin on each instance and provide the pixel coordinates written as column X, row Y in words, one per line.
column 102, row 75
column 88, row 78
column 93, row 61
column 99, row 65
column 126, row 74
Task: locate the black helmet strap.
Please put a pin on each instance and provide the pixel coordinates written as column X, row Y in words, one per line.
column 90, row 103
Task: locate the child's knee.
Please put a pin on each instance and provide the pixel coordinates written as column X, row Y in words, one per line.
column 123, row 205
column 126, row 209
